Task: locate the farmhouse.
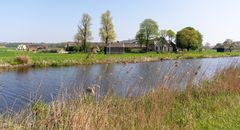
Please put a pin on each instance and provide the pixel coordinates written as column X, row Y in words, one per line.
column 220, row 47
column 36, row 47
column 237, row 45
column 121, row 47
column 114, row 48
column 32, row 47
column 162, row 45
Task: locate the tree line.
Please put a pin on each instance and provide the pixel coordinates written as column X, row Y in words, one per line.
column 187, row 38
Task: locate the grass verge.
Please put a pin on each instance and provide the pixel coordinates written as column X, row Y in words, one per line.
column 8, row 56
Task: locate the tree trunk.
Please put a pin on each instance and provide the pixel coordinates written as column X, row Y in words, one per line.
column 84, row 45
column 147, row 47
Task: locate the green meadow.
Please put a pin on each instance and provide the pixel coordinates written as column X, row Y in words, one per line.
column 39, row 59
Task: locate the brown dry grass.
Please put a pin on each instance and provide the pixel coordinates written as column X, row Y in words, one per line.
column 23, row 59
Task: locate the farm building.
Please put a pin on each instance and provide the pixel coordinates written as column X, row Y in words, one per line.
column 123, row 46
column 162, row 45
column 114, row 48
column 32, row 47
column 37, row 47
column 21, row 47
column 220, row 47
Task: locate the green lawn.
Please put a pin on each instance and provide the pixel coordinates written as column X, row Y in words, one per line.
column 8, row 56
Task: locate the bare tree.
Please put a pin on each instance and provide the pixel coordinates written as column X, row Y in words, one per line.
column 84, row 33
column 163, row 33
column 229, row 44
column 77, row 38
column 207, row 46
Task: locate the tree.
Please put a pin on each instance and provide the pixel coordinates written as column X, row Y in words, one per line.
column 229, row 44
column 207, row 46
column 107, row 32
column 84, row 33
column 189, row 38
column 171, row 35
column 77, row 38
column 149, row 31
column 140, row 38
column 163, row 33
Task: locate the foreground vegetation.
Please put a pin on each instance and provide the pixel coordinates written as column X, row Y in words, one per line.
column 212, row 105
column 8, row 57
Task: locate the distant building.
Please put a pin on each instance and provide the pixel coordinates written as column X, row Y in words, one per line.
column 114, row 48
column 162, row 45
column 220, row 47
column 22, row 47
column 32, row 47
column 2, row 46
column 124, row 46
column 71, row 44
column 37, row 47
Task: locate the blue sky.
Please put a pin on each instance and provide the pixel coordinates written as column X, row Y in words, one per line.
column 56, row 20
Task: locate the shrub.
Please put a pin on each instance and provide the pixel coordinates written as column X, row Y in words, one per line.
column 74, row 48
column 23, row 59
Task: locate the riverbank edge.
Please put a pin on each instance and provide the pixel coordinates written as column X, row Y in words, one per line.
column 108, row 61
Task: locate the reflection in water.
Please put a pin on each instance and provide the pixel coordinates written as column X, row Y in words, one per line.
column 23, row 70
column 19, row 87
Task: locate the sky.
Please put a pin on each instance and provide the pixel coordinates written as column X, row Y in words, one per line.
column 57, row 20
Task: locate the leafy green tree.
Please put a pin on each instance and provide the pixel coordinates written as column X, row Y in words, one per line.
column 189, row 38
column 171, row 35
column 107, row 32
column 84, row 33
column 140, row 38
column 148, row 31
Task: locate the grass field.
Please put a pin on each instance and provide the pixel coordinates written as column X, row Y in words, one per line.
column 212, row 105
column 8, row 57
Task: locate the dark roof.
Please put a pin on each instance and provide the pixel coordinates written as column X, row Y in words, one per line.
column 237, row 44
column 128, row 45
column 128, row 41
column 116, row 45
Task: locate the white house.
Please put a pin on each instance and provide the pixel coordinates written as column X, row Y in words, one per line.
column 22, row 47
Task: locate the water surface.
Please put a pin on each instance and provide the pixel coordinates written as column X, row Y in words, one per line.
column 22, row 86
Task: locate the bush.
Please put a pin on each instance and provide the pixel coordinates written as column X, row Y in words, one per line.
column 23, row 59
column 74, row 48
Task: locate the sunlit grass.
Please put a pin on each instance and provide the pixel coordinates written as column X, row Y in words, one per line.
column 8, row 56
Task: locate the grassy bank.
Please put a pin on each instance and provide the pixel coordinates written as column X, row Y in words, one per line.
column 212, row 105
column 8, row 57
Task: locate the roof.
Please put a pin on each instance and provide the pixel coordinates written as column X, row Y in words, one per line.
column 116, row 45
column 128, row 41
column 237, row 44
column 220, row 45
column 163, row 41
column 128, row 45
